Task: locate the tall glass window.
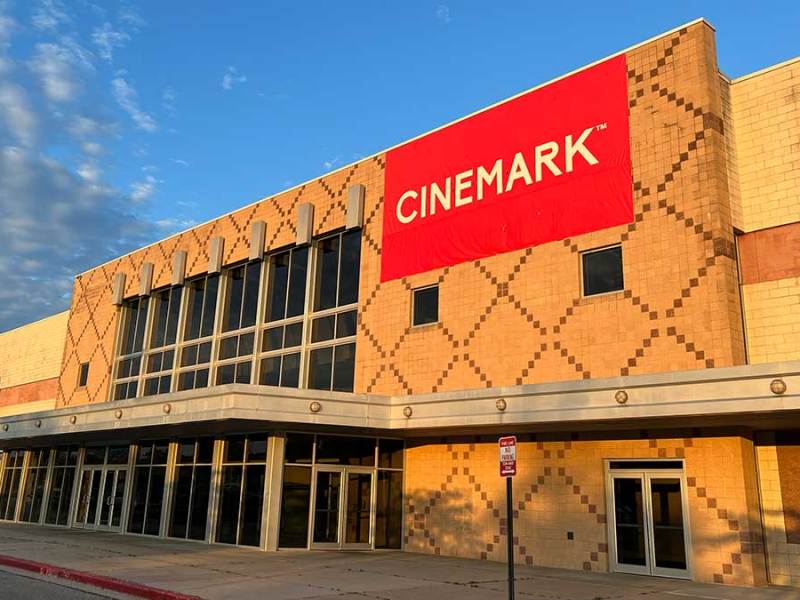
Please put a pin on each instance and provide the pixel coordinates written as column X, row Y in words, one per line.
column 296, row 492
column 129, row 362
column 163, row 335
column 58, row 503
column 389, row 497
column 195, row 354
column 191, row 489
column 239, row 310
column 147, row 499
column 9, row 491
column 284, row 316
column 331, row 361
column 244, row 466
column 35, row 476
column 367, row 462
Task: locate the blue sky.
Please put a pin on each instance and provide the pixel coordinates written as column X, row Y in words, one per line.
column 123, row 122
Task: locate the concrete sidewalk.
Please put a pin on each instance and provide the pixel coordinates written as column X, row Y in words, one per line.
column 212, row 571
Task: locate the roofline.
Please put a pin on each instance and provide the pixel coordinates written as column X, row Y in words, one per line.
column 58, row 314
column 765, row 70
column 416, row 137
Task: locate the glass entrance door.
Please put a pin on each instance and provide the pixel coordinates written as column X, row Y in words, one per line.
column 648, row 529
column 101, row 498
column 342, row 512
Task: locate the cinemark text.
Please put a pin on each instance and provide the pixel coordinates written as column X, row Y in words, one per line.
column 473, row 184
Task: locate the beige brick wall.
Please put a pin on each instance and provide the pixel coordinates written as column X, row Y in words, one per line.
column 772, row 310
column 455, row 501
column 784, row 558
column 679, row 310
column 765, row 108
column 32, row 352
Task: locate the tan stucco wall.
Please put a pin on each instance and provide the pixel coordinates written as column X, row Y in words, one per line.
column 32, row 352
column 455, row 501
column 765, row 114
column 783, row 557
column 773, row 320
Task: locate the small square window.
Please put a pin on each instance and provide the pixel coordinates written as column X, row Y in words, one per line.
column 426, row 305
column 83, row 376
column 602, row 271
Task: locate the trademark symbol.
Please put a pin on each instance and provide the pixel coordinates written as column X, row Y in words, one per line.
column 601, row 126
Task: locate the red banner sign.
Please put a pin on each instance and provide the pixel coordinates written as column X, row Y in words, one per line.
column 549, row 164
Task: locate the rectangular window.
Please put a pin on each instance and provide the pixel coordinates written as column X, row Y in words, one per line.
column 602, row 271
column 279, row 363
column 191, row 489
column 83, row 374
column 66, row 461
column 238, row 315
column 426, row 305
column 303, row 451
column 337, row 272
column 195, row 352
column 9, row 492
column 241, row 495
column 160, row 360
column 35, row 476
column 295, row 502
column 149, row 476
column 129, row 362
column 332, row 348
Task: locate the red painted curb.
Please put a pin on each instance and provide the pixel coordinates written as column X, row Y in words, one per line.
column 109, row 583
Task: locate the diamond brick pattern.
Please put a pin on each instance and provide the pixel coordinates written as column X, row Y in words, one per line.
column 93, row 321
column 520, row 318
column 455, row 500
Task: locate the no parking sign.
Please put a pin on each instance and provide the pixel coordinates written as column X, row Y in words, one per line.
column 508, row 456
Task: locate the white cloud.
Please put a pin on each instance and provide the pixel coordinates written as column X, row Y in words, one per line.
column 49, row 15
column 329, row 164
column 168, row 99
column 90, row 172
column 181, row 162
column 443, row 14
column 54, row 66
column 106, row 38
column 232, row 77
column 175, row 225
column 17, row 114
column 7, row 27
column 126, row 96
column 92, row 148
column 79, row 55
column 55, row 224
column 83, row 127
column 144, row 189
column 58, row 213
column 131, row 18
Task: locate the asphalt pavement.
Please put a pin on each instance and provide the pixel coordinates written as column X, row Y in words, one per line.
column 23, row 586
column 218, row 572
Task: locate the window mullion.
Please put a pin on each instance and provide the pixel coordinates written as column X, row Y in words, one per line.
column 308, row 307
column 261, row 311
column 117, row 351
column 149, row 318
column 216, row 330
column 179, row 335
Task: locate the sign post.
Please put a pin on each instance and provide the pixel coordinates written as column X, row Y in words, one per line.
column 508, row 468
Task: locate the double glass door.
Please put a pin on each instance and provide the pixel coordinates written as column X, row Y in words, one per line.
column 102, row 493
column 648, row 523
column 342, row 512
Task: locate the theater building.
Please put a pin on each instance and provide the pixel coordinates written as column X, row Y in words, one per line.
column 606, row 266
